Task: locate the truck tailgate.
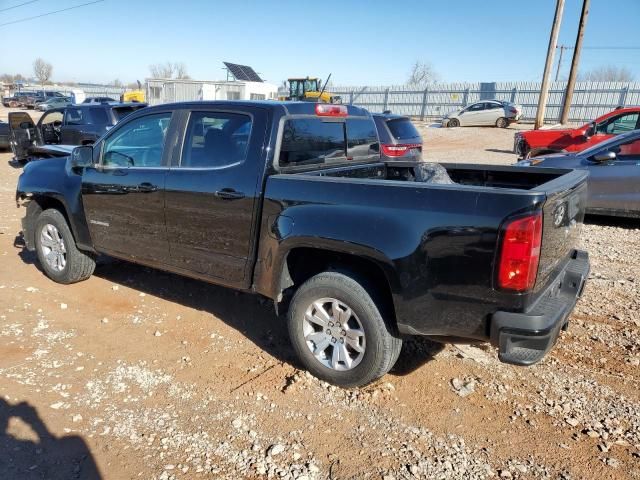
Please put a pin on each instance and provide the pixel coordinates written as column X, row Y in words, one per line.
column 563, row 214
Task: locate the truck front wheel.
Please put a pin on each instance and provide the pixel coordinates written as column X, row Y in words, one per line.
column 338, row 332
column 59, row 257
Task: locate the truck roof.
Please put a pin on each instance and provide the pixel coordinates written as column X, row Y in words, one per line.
column 287, row 108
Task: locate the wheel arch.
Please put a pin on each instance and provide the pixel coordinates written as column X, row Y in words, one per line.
column 301, row 262
column 37, row 205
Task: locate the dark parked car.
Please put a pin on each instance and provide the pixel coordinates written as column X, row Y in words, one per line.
column 4, row 135
column 399, row 138
column 34, row 98
column 614, row 173
column 282, row 199
column 17, row 100
column 99, row 100
column 74, row 125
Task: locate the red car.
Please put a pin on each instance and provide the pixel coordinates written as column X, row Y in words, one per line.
column 541, row 142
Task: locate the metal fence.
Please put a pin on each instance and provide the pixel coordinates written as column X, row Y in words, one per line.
column 590, row 99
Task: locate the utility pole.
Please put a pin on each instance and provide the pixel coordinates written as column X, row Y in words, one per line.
column 553, row 40
column 562, row 49
column 568, row 95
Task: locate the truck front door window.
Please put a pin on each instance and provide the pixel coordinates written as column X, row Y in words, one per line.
column 137, row 144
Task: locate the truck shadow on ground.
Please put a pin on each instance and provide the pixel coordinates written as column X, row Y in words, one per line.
column 619, row 222
column 25, row 458
column 252, row 315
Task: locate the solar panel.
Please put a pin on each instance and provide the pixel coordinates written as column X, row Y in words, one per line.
column 242, row 72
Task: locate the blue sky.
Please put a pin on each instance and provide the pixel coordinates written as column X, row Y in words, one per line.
column 361, row 42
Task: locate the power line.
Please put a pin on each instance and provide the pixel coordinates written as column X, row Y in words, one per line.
column 50, row 13
column 19, row 5
column 600, row 48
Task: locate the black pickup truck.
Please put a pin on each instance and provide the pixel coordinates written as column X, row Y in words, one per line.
column 291, row 201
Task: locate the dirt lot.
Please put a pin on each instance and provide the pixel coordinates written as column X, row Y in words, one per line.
column 137, row 373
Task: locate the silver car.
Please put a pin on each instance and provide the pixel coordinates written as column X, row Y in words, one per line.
column 487, row 112
column 614, row 173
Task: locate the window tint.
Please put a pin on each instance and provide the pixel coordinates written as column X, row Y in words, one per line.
column 628, row 150
column 362, row 138
column 311, row 141
column 618, row 125
column 76, row 116
column 99, row 116
column 493, row 105
column 402, row 128
column 216, row 139
column 477, row 107
column 137, row 144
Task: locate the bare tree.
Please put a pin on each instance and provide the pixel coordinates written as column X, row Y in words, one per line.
column 422, row 74
column 607, row 73
column 42, row 70
column 181, row 70
column 168, row 70
column 117, row 83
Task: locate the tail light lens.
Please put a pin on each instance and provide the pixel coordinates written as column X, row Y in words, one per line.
column 520, row 253
column 513, row 110
column 399, row 150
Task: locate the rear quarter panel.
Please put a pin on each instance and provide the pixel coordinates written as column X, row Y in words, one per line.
column 435, row 243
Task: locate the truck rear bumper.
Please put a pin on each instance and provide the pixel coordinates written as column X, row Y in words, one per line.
column 525, row 338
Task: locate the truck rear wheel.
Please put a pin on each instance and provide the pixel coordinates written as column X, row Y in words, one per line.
column 338, row 332
column 56, row 248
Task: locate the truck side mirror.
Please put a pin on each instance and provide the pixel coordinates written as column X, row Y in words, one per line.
column 81, row 157
column 604, row 157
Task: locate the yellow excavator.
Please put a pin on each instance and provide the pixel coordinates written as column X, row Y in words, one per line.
column 134, row 95
column 308, row 89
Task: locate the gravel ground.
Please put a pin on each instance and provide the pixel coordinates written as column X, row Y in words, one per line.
column 137, row 373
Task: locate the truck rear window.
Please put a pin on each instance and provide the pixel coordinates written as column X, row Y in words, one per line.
column 312, row 141
column 402, row 128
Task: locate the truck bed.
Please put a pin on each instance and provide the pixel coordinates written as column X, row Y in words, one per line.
column 442, row 239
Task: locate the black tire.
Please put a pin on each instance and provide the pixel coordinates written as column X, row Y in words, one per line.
column 453, row 123
column 78, row 265
column 502, row 122
column 382, row 346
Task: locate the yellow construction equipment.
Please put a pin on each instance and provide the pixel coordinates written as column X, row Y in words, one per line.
column 134, row 95
column 308, row 89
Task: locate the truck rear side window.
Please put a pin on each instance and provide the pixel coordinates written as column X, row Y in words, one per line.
column 402, row 129
column 311, row 141
column 362, row 138
column 216, row 139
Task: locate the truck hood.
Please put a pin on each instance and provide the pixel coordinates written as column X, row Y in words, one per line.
column 54, row 150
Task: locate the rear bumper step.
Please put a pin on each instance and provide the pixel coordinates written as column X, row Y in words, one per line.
column 525, row 338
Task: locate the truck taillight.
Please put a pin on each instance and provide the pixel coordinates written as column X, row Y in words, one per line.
column 391, row 150
column 520, row 253
column 329, row 110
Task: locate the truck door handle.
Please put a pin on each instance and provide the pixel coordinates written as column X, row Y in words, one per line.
column 146, row 187
column 229, row 194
